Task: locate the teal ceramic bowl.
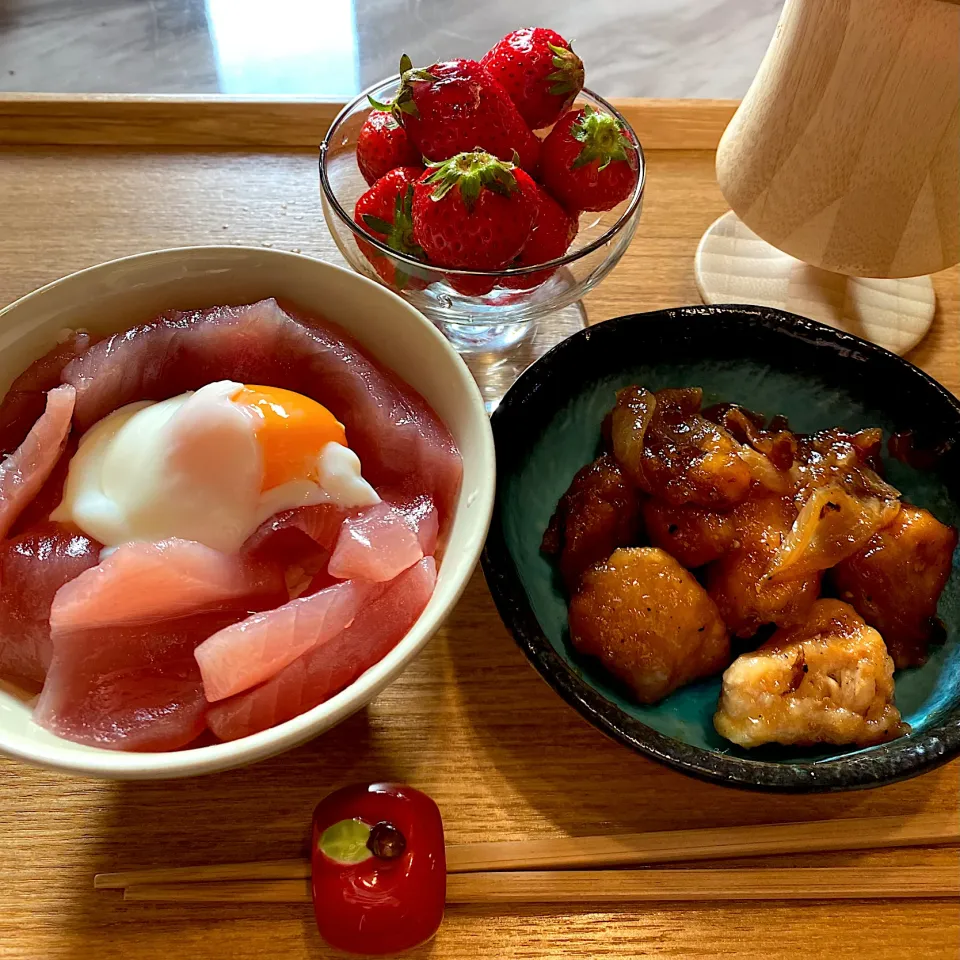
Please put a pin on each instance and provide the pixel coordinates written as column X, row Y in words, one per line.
column 548, row 426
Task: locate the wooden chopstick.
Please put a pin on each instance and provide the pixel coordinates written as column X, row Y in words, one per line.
column 260, row 870
column 667, row 846
column 614, row 886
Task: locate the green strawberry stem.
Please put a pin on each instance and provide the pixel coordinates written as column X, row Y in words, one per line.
column 471, row 173
column 568, row 76
column 399, row 234
column 403, row 103
column 602, row 137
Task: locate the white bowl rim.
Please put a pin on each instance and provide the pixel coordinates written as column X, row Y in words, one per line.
column 116, row 764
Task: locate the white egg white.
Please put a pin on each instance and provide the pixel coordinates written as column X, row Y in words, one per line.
column 191, row 467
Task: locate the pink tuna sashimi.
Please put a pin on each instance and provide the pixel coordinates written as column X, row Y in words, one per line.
column 382, row 541
column 27, row 396
column 422, row 516
column 297, row 536
column 330, row 667
column 26, row 470
column 33, row 567
column 400, row 441
column 252, row 651
column 50, row 495
column 130, row 687
column 141, row 583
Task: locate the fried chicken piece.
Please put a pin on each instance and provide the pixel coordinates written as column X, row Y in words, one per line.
column 649, row 621
column 598, row 513
column 829, row 680
column 745, row 595
column 842, row 501
column 895, row 581
column 672, row 452
column 693, row 535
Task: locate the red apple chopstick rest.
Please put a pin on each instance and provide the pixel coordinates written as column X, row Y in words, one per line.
column 379, row 870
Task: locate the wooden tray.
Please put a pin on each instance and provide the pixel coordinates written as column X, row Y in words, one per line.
column 88, row 179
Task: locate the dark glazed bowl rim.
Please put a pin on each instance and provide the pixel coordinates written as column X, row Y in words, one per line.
column 891, row 762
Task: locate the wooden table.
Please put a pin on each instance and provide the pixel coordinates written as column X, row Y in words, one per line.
column 470, row 721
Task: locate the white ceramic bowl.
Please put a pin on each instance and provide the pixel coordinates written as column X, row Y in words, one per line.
column 116, row 295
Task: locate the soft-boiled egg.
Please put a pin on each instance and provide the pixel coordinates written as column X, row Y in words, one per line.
column 209, row 466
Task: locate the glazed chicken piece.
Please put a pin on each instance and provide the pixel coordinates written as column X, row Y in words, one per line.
column 842, row 501
column 827, row 681
column 693, row 535
column 895, row 581
column 745, row 595
column 649, row 622
column 598, row 513
column 673, row 453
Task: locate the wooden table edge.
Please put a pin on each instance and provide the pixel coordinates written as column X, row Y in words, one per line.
column 41, row 119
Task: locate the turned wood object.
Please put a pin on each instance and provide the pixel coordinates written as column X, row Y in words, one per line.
column 845, row 152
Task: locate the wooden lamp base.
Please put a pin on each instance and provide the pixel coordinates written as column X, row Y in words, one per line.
column 734, row 265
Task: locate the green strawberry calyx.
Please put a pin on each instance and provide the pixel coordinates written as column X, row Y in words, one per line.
column 568, row 75
column 399, row 234
column 403, row 102
column 472, row 173
column 603, row 139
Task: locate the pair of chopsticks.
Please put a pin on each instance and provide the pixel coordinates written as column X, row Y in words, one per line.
column 546, row 871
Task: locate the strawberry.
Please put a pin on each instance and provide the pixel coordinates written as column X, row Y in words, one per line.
column 589, row 161
column 554, row 229
column 457, row 106
column 470, row 213
column 382, row 145
column 540, row 72
column 385, row 212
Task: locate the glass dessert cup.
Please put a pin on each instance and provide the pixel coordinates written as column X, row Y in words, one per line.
column 501, row 332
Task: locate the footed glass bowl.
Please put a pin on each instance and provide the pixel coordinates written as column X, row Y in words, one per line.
column 502, row 332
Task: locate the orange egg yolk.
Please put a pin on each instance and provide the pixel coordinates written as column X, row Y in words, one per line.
column 291, row 430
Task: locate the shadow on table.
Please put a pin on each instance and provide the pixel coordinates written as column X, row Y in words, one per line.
column 584, row 783
column 261, row 812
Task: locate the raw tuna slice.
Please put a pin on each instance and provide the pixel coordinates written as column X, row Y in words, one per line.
column 421, row 514
column 129, row 687
column 50, row 495
column 26, row 470
column 329, row 667
column 142, row 583
column 33, row 567
column 249, row 652
column 398, row 438
column 296, row 536
column 382, row 541
column 27, row 396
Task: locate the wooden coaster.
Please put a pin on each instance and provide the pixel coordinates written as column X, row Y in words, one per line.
column 733, row 265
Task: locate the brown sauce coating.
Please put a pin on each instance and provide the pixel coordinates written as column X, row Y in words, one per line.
column 598, row 513
column 895, row 581
column 765, row 516
column 649, row 622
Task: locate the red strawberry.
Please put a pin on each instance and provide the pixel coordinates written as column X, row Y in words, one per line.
column 540, row 72
column 554, row 229
column 470, row 213
column 385, row 211
column 456, row 106
column 382, row 145
column 589, row 161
